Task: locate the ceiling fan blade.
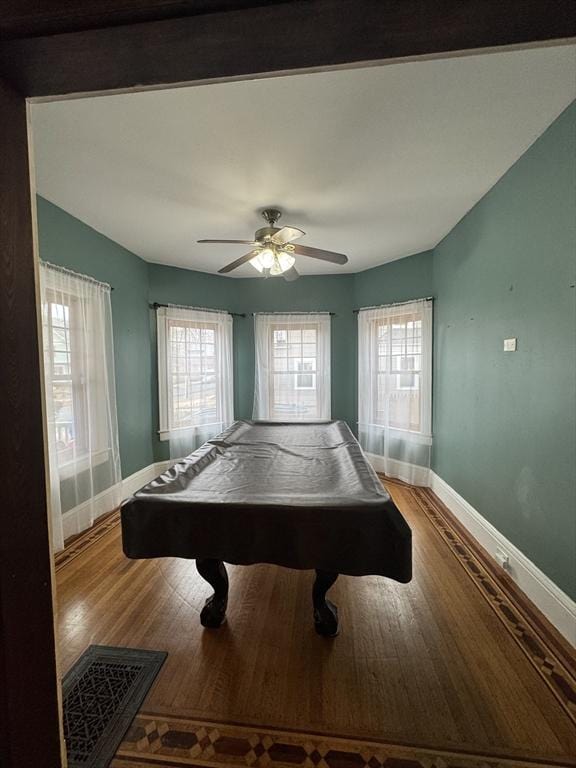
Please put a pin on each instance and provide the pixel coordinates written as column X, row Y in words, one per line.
column 291, row 274
column 318, row 253
column 245, row 242
column 286, row 235
column 238, row 262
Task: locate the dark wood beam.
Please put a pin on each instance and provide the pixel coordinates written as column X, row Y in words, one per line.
column 283, row 37
column 30, row 18
column 28, row 680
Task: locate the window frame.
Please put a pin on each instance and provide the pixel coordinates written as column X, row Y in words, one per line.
column 71, row 466
column 269, row 378
column 402, row 317
column 166, row 425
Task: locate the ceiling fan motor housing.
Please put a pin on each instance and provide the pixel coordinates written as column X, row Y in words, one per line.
column 265, row 233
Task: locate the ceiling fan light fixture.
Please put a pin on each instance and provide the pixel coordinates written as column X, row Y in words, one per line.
column 274, row 252
column 286, row 261
column 276, row 261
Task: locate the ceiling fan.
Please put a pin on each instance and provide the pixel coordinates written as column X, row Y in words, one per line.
column 273, row 253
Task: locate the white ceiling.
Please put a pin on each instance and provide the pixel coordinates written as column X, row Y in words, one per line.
column 378, row 163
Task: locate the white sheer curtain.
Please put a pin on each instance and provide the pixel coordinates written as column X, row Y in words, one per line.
column 195, row 376
column 84, row 459
column 292, row 378
column 395, row 388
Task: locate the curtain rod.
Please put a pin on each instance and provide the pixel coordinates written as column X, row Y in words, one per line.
column 393, row 304
column 156, row 305
column 319, row 312
column 78, row 275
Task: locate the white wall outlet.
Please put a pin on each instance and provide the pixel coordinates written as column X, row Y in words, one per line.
column 510, row 345
column 502, row 558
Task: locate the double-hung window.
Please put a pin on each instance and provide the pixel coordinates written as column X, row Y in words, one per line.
column 395, row 385
column 84, row 458
column 292, row 367
column 194, row 371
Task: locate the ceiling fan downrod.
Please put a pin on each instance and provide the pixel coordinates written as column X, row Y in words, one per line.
column 271, row 215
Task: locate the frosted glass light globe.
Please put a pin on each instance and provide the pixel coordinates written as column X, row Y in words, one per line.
column 277, row 262
column 286, row 260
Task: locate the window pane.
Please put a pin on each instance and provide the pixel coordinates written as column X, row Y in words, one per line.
column 194, row 365
column 309, row 335
column 397, row 348
column 293, row 382
column 62, row 397
column 294, row 336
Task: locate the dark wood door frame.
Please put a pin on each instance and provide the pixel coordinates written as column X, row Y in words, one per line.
column 84, row 47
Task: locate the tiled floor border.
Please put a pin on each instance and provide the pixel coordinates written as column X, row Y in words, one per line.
column 163, row 741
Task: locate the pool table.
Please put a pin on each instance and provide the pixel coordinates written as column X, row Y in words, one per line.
column 298, row 495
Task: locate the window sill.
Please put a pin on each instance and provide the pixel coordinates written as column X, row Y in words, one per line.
column 400, row 434
column 83, row 464
column 164, row 434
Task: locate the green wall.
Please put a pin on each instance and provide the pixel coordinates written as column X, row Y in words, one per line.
column 405, row 278
column 505, row 423
column 248, row 295
column 170, row 285
column 401, row 280
column 68, row 242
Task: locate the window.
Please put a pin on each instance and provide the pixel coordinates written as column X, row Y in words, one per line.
column 292, row 367
column 83, row 454
column 398, row 348
column 195, row 369
column 77, row 375
column 394, row 388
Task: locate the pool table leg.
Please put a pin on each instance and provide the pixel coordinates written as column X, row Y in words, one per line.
column 325, row 612
column 214, row 611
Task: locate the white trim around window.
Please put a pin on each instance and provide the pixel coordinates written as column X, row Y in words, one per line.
column 292, row 377
column 195, row 380
column 395, row 387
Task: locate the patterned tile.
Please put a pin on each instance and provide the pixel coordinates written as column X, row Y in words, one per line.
column 226, row 746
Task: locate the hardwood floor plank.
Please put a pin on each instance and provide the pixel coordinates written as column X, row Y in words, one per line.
column 432, row 664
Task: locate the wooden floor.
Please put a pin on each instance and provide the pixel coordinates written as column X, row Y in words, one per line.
column 434, row 663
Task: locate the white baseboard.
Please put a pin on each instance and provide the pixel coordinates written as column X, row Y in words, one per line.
column 402, row 470
column 81, row 517
column 133, row 483
column 558, row 607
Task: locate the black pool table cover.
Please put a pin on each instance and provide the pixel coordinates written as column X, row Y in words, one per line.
column 297, row 495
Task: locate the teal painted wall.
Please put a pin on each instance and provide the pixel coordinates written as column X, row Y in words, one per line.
column 247, row 295
column 170, row 285
column 401, row 280
column 505, row 423
column 331, row 293
column 66, row 241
